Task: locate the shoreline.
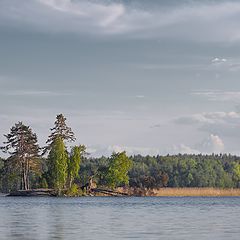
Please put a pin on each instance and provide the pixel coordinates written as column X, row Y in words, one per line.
column 137, row 192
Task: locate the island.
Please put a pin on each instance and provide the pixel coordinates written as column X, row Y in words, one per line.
column 58, row 169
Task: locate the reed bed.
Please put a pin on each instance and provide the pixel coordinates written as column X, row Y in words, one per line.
column 181, row 192
column 196, row 192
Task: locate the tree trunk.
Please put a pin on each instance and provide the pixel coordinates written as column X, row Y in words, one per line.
column 70, row 182
column 27, row 174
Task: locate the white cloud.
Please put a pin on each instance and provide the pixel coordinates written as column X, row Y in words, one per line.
column 216, row 21
column 218, row 60
column 107, row 14
column 223, row 64
column 212, row 144
column 209, row 118
column 41, row 93
column 97, row 151
column 217, row 95
column 218, row 123
column 183, row 149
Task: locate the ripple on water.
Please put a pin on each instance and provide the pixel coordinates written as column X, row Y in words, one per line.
column 120, row 218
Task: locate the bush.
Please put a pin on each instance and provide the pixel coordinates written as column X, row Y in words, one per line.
column 74, row 191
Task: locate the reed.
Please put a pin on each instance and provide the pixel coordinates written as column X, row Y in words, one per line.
column 181, row 192
column 200, row 192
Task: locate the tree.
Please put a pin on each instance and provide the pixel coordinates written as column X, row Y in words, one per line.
column 59, row 130
column 57, row 165
column 236, row 173
column 119, row 166
column 165, row 179
column 23, row 148
column 74, row 162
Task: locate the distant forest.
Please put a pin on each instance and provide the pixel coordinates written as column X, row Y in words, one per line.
column 221, row 171
column 53, row 166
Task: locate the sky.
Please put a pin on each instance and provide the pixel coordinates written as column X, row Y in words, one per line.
column 149, row 77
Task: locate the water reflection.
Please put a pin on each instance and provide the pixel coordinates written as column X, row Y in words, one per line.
column 119, row 218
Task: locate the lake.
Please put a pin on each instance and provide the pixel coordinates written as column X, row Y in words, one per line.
column 120, row 218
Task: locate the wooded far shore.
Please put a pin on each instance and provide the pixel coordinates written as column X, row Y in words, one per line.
column 71, row 171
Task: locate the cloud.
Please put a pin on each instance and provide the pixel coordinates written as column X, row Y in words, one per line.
column 158, row 125
column 218, row 95
column 212, row 144
column 183, row 149
column 219, row 60
column 209, row 118
column 98, row 17
column 97, row 151
column 34, row 93
column 140, row 96
column 107, row 14
column 201, row 21
column 217, row 123
column 223, row 64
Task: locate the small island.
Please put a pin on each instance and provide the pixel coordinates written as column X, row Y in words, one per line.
column 58, row 169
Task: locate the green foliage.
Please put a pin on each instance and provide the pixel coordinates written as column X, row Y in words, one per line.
column 1, row 163
column 62, row 169
column 236, row 173
column 119, row 166
column 183, row 171
column 10, row 175
column 43, row 183
column 21, row 144
column 57, row 165
column 74, row 162
column 60, row 130
column 221, row 171
column 96, row 167
column 74, row 191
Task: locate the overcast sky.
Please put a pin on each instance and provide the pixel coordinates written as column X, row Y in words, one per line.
column 148, row 77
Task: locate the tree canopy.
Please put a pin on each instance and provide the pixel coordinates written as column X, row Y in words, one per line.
column 57, row 165
column 23, row 148
column 61, row 130
column 117, row 172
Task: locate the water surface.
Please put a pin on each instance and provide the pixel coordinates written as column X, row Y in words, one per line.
column 120, row 218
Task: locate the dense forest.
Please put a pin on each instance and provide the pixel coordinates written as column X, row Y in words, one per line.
column 54, row 166
column 221, row 171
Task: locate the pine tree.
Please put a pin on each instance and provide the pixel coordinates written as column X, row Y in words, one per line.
column 57, row 165
column 23, row 148
column 61, row 130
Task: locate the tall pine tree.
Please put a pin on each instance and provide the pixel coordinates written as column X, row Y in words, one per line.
column 23, row 148
column 61, row 130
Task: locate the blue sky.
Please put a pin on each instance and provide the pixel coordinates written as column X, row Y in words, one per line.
column 149, row 77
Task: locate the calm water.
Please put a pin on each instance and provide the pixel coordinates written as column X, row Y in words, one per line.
column 120, row 218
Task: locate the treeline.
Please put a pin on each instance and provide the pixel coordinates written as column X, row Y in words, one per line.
column 221, row 171
column 68, row 169
column 53, row 166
